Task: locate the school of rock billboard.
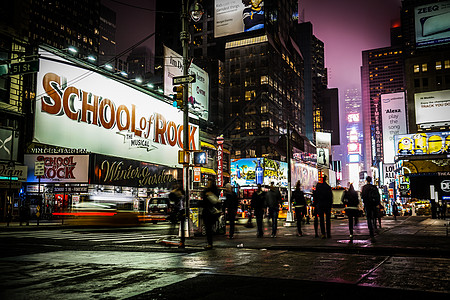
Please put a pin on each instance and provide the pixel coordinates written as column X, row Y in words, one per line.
column 432, row 24
column 237, row 16
column 76, row 107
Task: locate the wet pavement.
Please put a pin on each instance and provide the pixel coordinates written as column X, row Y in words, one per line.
column 408, row 258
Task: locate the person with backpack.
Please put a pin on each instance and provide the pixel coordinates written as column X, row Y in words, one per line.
column 299, row 202
column 351, row 202
column 273, row 201
column 324, row 198
column 258, row 206
column 371, row 200
column 231, row 206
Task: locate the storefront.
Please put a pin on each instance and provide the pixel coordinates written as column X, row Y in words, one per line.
column 11, row 178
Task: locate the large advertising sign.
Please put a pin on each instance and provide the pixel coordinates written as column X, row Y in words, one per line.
column 121, row 172
column 393, row 117
column 78, row 108
column 198, row 90
column 253, row 171
column 422, row 143
column 307, row 175
column 388, row 174
column 432, row 23
column 237, row 16
column 323, row 148
column 58, row 168
column 432, row 107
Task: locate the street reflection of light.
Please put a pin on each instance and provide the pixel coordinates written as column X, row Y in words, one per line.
column 86, row 213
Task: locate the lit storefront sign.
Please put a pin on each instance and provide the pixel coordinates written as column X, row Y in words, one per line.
column 81, row 108
column 220, row 162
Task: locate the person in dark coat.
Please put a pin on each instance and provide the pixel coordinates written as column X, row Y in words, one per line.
column 351, row 202
column 258, row 205
column 231, row 206
column 210, row 202
column 324, row 199
column 368, row 195
column 273, row 201
column 299, row 202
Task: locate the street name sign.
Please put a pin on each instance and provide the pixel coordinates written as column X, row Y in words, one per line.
column 184, row 79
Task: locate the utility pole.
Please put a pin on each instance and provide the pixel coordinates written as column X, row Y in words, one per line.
column 290, row 215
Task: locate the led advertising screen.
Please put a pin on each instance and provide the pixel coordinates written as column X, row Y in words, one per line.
column 237, row 16
column 393, row 117
column 432, row 107
column 323, row 148
column 307, row 175
column 198, row 90
column 80, row 108
column 432, row 24
column 423, row 143
column 253, row 171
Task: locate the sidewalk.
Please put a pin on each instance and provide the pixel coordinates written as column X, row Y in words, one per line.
column 421, row 236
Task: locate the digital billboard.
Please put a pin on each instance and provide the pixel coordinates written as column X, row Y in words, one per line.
column 307, row 175
column 432, row 107
column 80, row 108
column 423, row 143
column 237, row 16
column 198, row 90
column 393, row 117
column 432, row 24
column 323, row 148
column 253, row 171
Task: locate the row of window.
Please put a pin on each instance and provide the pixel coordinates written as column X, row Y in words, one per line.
column 438, row 66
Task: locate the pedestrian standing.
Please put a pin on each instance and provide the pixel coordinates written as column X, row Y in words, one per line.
column 299, row 202
column 351, row 202
column 177, row 211
column 315, row 212
column 371, row 200
column 394, row 210
column 273, row 200
column 324, row 196
column 258, row 205
column 231, row 206
column 210, row 213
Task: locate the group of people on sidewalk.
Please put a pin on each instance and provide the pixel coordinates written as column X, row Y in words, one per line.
column 270, row 201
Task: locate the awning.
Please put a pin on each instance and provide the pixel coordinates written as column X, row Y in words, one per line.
column 207, row 145
column 208, row 171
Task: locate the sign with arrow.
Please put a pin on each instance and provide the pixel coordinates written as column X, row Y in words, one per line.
column 184, row 79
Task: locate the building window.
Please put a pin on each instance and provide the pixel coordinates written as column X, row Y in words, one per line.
column 264, row 79
column 447, row 64
column 424, row 82
column 439, row 80
column 249, row 95
column 416, row 68
column 417, row 83
column 438, row 65
column 424, row 67
column 264, row 109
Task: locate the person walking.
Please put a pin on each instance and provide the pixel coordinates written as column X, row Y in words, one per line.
column 231, row 206
column 351, row 202
column 210, row 211
column 273, row 200
column 258, row 205
column 299, row 202
column 324, row 196
column 371, row 200
column 394, row 210
column 177, row 212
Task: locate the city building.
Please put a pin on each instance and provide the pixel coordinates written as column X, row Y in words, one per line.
column 140, row 63
column 107, row 41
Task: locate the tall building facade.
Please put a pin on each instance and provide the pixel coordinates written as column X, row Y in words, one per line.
column 381, row 73
column 140, row 63
column 107, row 40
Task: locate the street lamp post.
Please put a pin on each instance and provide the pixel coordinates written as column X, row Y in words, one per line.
column 184, row 38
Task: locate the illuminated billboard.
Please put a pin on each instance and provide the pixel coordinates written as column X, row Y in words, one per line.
column 423, row 143
column 432, row 24
column 323, row 148
column 306, row 174
column 432, row 107
column 393, row 117
column 253, row 171
column 353, row 118
column 198, row 90
column 80, row 108
column 237, row 16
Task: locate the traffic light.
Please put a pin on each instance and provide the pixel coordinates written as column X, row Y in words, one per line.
column 178, row 96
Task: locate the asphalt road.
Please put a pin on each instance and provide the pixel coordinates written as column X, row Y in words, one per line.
column 121, row 263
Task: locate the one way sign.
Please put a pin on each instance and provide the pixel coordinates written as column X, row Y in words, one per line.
column 184, row 79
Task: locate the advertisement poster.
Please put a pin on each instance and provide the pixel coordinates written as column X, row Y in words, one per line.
column 323, row 148
column 432, row 107
column 79, row 108
column 432, row 24
column 253, row 171
column 59, row 168
column 388, row 174
column 422, row 143
column 307, row 175
column 237, row 16
column 198, row 90
column 393, row 118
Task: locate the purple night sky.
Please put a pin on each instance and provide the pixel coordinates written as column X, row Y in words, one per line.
column 347, row 27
